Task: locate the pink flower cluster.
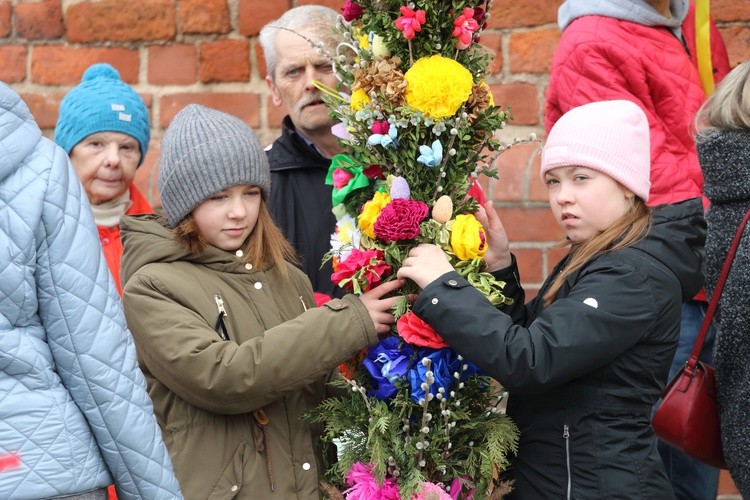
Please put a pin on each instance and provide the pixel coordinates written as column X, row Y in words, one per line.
column 400, row 219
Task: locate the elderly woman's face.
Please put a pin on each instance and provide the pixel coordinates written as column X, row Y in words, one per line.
column 105, row 163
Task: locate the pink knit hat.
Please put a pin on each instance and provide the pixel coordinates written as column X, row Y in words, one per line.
column 611, row 137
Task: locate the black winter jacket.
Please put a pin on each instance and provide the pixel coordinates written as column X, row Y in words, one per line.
column 725, row 160
column 584, row 373
column 300, row 203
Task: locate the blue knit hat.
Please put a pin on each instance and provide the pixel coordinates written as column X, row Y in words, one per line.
column 102, row 103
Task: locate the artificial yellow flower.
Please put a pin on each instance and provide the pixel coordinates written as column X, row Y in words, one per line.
column 359, row 99
column 437, row 86
column 468, row 238
column 371, row 212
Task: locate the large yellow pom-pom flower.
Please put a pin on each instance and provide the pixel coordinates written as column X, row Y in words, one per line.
column 468, row 238
column 437, row 86
column 371, row 212
column 359, row 99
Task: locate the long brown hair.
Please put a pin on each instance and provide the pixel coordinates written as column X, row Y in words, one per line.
column 265, row 248
column 626, row 231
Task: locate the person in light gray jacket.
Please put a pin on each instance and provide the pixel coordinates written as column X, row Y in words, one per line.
column 74, row 412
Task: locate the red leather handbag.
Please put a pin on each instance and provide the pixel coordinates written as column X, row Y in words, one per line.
column 688, row 417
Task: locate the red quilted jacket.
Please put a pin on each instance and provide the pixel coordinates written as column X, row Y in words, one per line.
column 600, row 58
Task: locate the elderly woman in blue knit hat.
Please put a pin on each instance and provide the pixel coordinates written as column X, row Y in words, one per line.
column 104, row 127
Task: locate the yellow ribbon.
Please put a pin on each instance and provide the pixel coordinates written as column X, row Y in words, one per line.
column 703, row 45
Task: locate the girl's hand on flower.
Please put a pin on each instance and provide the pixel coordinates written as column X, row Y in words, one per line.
column 380, row 308
column 424, row 264
column 497, row 255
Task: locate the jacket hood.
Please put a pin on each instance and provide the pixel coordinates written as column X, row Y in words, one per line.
column 725, row 160
column 146, row 239
column 676, row 239
column 636, row 11
column 19, row 133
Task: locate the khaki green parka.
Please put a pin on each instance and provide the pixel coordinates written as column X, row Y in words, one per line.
column 230, row 409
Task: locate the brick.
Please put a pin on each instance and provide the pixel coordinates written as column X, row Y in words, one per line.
column 13, row 63
column 243, row 106
column 225, row 61
column 333, row 4
column 737, row 39
column 515, row 167
column 532, row 51
column 530, row 264
column 260, row 61
column 494, row 43
column 64, row 65
column 533, row 224
column 172, row 64
column 275, row 114
column 39, row 21
column 254, row 14
column 506, row 14
column 204, row 16
column 5, row 17
column 522, row 99
column 730, row 10
column 146, row 177
column 118, row 21
column 44, row 107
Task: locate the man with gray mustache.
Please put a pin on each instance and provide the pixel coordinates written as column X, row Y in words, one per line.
column 300, row 201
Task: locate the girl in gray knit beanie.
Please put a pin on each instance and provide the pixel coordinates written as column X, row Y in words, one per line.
column 724, row 152
column 233, row 349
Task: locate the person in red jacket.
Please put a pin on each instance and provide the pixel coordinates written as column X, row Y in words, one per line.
column 104, row 127
column 645, row 51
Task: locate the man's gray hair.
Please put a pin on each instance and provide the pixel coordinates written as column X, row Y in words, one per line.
column 318, row 19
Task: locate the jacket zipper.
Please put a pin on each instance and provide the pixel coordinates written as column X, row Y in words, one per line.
column 220, row 327
column 566, row 436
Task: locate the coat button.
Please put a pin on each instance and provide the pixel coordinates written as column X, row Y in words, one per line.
column 248, row 266
column 434, row 301
column 306, row 466
column 452, row 282
column 258, row 285
column 239, row 253
column 235, row 488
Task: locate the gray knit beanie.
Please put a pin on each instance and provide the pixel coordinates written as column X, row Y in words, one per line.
column 205, row 151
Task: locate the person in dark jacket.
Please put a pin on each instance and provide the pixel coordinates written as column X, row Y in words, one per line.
column 724, row 153
column 300, row 200
column 585, row 360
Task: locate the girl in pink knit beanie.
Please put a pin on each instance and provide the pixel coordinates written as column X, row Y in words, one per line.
column 587, row 358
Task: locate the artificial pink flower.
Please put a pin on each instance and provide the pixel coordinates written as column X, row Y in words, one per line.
column 431, row 491
column 464, row 27
column 413, row 330
column 364, row 486
column 410, row 21
column 380, row 127
column 367, row 267
column 341, row 178
column 399, row 220
column 352, row 11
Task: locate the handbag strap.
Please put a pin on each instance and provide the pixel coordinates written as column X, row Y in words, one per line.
column 706, row 324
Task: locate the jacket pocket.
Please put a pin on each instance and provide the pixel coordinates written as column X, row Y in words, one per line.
column 229, row 482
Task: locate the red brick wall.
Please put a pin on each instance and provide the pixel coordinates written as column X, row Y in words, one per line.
column 179, row 51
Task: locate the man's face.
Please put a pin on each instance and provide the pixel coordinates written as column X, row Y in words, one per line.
column 293, row 90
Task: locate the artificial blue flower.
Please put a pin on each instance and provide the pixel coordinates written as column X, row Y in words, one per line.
column 444, row 364
column 387, row 362
column 431, row 156
column 386, row 140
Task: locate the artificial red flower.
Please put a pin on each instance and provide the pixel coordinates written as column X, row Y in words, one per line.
column 349, row 367
column 399, row 220
column 373, row 172
column 352, row 11
column 413, row 330
column 410, row 21
column 361, row 270
column 341, row 178
column 464, row 27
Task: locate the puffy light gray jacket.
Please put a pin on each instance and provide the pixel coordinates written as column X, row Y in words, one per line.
column 74, row 412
